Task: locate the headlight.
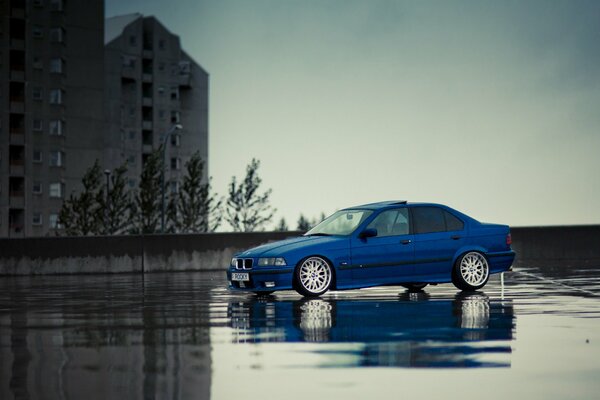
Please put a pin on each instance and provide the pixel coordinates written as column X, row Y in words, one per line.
column 234, row 262
column 278, row 262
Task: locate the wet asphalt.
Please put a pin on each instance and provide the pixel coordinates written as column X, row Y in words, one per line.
column 184, row 335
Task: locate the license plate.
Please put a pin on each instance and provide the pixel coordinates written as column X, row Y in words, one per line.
column 240, row 276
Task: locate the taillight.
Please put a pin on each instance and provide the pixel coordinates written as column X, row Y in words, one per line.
column 508, row 239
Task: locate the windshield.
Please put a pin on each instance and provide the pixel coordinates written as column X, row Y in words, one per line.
column 343, row 222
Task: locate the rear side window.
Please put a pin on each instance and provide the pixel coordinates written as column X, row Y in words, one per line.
column 428, row 219
column 453, row 223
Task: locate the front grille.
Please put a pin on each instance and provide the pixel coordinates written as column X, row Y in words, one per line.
column 243, row 263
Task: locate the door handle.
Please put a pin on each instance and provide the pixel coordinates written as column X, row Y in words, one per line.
column 406, row 241
column 455, row 237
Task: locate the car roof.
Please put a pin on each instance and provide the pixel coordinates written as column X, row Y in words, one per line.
column 379, row 205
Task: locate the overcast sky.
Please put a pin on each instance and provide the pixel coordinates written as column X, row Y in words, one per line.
column 492, row 108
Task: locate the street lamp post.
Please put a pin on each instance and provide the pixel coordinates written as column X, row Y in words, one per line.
column 106, row 205
column 162, row 178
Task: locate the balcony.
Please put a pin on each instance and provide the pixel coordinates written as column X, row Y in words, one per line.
column 17, row 138
column 17, row 170
column 185, row 80
column 17, row 107
column 16, row 219
column 128, row 72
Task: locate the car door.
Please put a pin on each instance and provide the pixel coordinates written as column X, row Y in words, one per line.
column 438, row 235
column 387, row 256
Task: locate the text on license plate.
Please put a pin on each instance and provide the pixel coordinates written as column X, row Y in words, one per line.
column 240, row 276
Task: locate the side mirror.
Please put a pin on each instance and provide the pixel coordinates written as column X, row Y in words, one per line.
column 367, row 233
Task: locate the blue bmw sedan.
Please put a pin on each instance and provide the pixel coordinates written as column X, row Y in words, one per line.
column 387, row 243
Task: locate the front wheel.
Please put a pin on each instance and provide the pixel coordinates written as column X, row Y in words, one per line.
column 313, row 277
column 471, row 271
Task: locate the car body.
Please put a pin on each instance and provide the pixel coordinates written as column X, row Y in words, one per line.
column 385, row 243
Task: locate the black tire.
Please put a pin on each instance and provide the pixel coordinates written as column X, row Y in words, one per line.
column 471, row 271
column 414, row 287
column 313, row 276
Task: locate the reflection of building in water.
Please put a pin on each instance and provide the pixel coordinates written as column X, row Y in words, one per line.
column 411, row 331
column 96, row 344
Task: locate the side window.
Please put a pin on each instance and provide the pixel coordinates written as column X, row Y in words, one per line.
column 453, row 223
column 428, row 219
column 391, row 223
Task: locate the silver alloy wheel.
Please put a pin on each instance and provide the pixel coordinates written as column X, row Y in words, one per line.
column 474, row 268
column 315, row 275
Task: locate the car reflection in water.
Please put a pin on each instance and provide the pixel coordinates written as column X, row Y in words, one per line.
column 411, row 330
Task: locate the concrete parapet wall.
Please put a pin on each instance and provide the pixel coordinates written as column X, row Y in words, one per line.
column 132, row 253
column 551, row 246
column 557, row 245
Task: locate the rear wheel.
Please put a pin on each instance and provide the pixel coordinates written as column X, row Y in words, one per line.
column 313, row 277
column 471, row 271
column 413, row 287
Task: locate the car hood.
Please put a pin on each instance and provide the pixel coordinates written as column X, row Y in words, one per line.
column 275, row 249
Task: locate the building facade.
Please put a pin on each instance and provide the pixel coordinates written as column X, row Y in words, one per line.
column 51, row 108
column 75, row 88
column 152, row 85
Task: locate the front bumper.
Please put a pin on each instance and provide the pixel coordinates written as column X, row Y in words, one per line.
column 266, row 279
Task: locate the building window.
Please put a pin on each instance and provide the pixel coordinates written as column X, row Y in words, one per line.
column 161, row 114
column 56, row 65
column 175, row 117
column 161, row 66
column 131, row 161
column 175, row 163
column 37, row 188
column 57, row 35
column 131, row 135
column 131, row 183
column 38, row 125
column 56, row 96
column 53, row 221
column 175, row 93
column 37, row 156
column 37, row 63
column 37, row 93
column 57, row 127
column 161, row 44
column 161, row 91
column 175, row 140
column 36, row 218
column 57, row 159
column 184, row 67
column 174, row 186
column 132, row 40
column 37, row 32
column 56, row 190
column 56, row 5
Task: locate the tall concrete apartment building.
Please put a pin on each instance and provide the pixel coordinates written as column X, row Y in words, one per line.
column 51, row 108
column 72, row 92
column 151, row 85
